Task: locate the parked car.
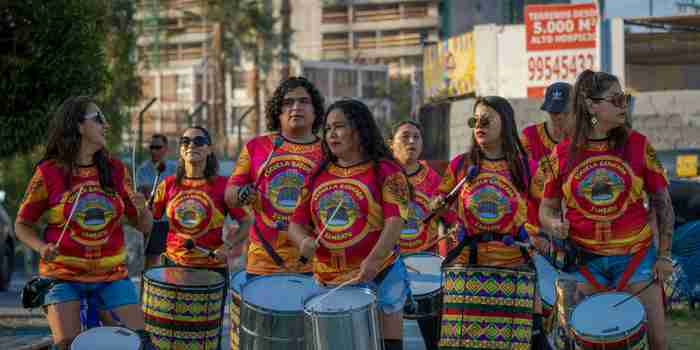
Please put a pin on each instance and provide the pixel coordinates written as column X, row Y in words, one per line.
column 683, row 170
column 7, row 247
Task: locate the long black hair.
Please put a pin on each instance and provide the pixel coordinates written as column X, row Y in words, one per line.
column 211, row 168
column 63, row 145
column 273, row 108
column 591, row 84
column 361, row 120
column 513, row 150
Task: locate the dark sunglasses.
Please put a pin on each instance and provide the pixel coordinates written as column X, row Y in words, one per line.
column 484, row 122
column 96, row 116
column 195, row 141
column 155, row 147
column 290, row 101
column 617, row 100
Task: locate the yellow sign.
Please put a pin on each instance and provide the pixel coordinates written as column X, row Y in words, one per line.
column 449, row 67
column 687, row 165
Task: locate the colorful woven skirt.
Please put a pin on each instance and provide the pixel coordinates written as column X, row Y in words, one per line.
column 183, row 307
column 487, row 308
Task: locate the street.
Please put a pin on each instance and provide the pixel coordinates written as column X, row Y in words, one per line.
column 19, row 328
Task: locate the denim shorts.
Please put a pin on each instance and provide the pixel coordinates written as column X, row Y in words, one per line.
column 111, row 294
column 608, row 270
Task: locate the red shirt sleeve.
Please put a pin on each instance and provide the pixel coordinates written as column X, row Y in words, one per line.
column 302, row 213
column 241, row 173
column 36, row 199
column 125, row 188
column 654, row 174
column 160, row 199
column 553, row 178
column 395, row 190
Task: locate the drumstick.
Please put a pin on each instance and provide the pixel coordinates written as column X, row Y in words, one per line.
column 637, row 293
column 276, row 143
column 344, row 284
column 304, row 259
column 70, row 216
column 409, row 267
column 133, row 160
column 448, row 198
column 449, row 234
column 189, row 245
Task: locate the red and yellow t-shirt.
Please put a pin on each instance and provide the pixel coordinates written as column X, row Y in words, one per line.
column 92, row 249
column 416, row 237
column 538, row 145
column 488, row 203
column 365, row 195
column 604, row 193
column 195, row 210
column 281, row 183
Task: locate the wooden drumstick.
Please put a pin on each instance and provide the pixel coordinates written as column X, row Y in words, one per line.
column 304, row 259
column 70, row 216
column 344, row 284
column 409, row 267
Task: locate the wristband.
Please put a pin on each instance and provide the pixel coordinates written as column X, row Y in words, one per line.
column 664, row 257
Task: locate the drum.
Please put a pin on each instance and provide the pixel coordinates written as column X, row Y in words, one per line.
column 487, row 308
column 272, row 311
column 345, row 319
column 546, row 276
column 183, row 307
column 107, row 338
column 425, row 282
column 566, row 296
column 597, row 324
column 237, row 281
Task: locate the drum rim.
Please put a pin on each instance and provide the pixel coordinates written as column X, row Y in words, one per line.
column 104, row 328
column 461, row 267
column 242, row 272
column 351, row 310
column 266, row 309
column 167, row 286
column 433, row 292
column 218, row 275
column 596, row 337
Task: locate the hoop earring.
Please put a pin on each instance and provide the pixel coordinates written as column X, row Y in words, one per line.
column 594, row 120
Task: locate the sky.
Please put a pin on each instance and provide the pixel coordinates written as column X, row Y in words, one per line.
column 636, row 8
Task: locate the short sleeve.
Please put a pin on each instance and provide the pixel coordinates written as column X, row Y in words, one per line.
column 125, row 189
column 449, row 180
column 302, row 212
column 395, row 192
column 654, row 174
column 36, row 199
column 160, row 200
column 241, row 173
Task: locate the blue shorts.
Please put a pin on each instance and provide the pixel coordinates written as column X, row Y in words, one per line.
column 608, row 270
column 111, row 294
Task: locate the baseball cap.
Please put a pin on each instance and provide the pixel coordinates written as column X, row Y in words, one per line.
column 556, row 97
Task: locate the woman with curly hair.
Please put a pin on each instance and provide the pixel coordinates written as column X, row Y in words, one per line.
column 604, row 174
column 364, row 186
column 84, row 192
column 270, row 172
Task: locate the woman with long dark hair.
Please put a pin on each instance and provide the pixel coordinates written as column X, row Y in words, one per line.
column 604, row 175
column 491, row 206
column 360, row 182
column 85, row 192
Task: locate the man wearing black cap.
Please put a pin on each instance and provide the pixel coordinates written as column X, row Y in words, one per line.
column 149, row 175
column 539, row 141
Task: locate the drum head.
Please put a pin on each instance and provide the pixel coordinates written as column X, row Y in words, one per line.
column 429, row 279
column 342, row 300
column 183, row 276
column 546, row 277
column 107, row 338
column 596, row 317
column 279, row 292
column 237, row 281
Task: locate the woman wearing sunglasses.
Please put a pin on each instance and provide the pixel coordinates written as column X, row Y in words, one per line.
column 604, row 174
column 491, row 206
column 357, row 198
column 84, row 193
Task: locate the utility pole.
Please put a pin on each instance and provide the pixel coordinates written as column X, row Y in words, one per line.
column 286, row 12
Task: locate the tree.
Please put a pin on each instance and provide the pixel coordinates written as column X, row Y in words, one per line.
column 398, row 91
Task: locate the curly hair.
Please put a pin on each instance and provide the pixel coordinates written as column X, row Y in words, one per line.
column 591, row 84
column 211, row 169
column 513, row 150
column 373, row 147
column 273, row 108
column 63, row 145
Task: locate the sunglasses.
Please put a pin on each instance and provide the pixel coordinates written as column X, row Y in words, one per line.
column 196, row 141
column 290, row 101
column 483, row 122
column 155, row 147
column 617, row 100
column 96, row 116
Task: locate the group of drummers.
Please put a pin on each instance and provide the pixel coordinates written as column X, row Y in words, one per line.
column 325, row 197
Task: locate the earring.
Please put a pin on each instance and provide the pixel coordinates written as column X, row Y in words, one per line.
column 594, row 120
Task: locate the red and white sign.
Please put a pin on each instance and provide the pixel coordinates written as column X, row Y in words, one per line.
column 561, row 42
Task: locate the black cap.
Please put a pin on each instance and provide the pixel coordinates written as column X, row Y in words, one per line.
column 556, row 97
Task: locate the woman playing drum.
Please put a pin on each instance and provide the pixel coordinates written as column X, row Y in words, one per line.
column 407, row 146
column 357, row 198
column 85, row 193
column 492, row 208
column 604, row 174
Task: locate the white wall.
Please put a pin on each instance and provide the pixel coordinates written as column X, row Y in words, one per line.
column 512, row 60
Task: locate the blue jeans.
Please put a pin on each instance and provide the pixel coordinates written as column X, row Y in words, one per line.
column 110, row 294
column 608, row 270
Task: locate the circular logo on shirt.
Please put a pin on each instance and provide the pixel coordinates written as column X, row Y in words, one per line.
column 337, row 204
column 600, row 187
column 285, row 189
column 93, row 217
column 417, row 210
column 490, row 203
column 191, row 212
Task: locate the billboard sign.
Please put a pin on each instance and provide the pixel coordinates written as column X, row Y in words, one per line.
column 449, row 67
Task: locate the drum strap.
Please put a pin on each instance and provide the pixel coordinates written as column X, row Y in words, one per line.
column 473, row 242
column 268, row 248
column 629, row 270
